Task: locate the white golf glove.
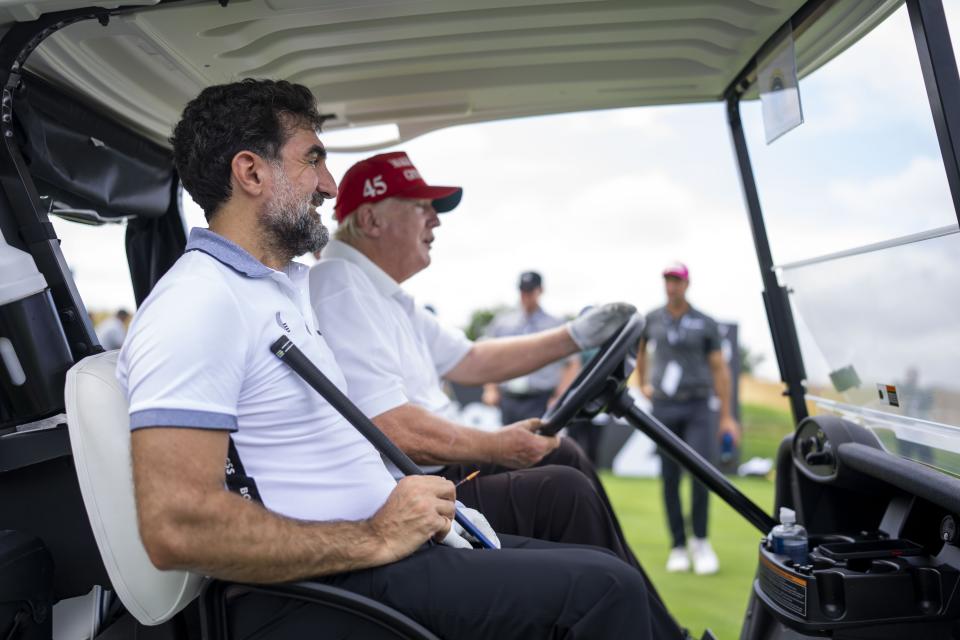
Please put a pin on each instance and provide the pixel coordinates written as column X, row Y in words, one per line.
column 596, row 325
column 458, row 538
column 455, row 540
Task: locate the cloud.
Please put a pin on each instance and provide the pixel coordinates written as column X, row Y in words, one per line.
column 880, row 71
column 911, row 200
column 884, row 312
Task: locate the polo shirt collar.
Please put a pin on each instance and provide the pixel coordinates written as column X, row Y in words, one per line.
column 387, row 286
column 689, row 312
column 235, row 256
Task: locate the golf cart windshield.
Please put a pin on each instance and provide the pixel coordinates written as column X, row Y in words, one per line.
column 865, row 239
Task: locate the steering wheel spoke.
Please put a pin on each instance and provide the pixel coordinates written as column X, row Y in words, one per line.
column 600, row 380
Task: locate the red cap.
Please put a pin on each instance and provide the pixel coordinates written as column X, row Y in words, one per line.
column 677, row 270
column 389, row 175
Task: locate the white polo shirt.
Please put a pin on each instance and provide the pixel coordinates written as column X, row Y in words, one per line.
column 392, row 351
column 198, row 356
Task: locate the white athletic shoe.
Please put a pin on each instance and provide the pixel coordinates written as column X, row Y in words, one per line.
column 705, row 561
column 678, row 560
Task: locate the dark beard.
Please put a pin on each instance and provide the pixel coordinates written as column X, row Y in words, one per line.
column 290, row 224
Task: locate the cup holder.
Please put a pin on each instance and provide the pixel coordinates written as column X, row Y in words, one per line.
column 827, row 538
column 820, row 563
column 866, row 550
column 866, row 565
column 849, row 583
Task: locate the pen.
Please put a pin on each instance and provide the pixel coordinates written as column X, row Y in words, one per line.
column 469, row 477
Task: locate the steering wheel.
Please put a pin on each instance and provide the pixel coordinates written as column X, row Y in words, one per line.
column 599, row 380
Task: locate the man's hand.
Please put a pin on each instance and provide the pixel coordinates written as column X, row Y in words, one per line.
column 518, row 446
column 418, row 509
column 729, row 425
column 491, row 395
column 596, row 325
column 647, row 390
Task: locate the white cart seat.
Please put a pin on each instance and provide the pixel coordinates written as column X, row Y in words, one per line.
column 98, row 420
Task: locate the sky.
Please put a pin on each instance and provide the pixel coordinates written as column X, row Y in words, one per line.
column 600, row 202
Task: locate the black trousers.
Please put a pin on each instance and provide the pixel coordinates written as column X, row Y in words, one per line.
column 529, row 589
column 693, row 421
column 560, row 500
column 586, row 434
column 516, row 407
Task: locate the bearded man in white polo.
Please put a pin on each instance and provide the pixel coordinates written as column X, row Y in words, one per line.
column 394, row 354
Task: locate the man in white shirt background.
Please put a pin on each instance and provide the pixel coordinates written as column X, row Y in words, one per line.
column 394, row 353
column 112, row 331
column 528, row 396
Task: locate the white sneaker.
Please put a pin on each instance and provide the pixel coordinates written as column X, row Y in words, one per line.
column 678, row 560
column 705, row 561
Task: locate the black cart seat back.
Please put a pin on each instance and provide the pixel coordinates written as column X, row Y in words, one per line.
column 98, row 420
column 26, row 587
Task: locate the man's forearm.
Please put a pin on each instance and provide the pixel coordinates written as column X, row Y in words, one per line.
column 642, row 364
column 500, row 359
column 256, row 545
column 721, row 386
column 430, row 439
column 210, row 530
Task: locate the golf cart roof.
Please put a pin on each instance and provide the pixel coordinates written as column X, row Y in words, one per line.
column 426, row 64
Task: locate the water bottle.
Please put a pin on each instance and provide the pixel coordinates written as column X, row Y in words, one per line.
column 789, row 538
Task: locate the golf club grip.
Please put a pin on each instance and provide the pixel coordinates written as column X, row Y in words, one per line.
column 284, row 349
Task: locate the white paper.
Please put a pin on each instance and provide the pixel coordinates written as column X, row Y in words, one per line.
column 671, row 378
column 779, row 88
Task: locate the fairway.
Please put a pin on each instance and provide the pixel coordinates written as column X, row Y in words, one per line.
column 717, row 602
column 698, row 602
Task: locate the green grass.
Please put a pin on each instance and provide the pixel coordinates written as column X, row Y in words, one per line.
column 717, row 602
column 763, row 429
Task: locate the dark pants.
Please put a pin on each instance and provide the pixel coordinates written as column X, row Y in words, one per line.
column 560, row 500
column 586, row 434
column 515, row 407
column 528, row 589
column 693, row 421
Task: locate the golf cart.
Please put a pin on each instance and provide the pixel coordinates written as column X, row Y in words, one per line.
column 89, row 96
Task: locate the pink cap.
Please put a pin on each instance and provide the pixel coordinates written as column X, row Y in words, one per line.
column 677, row 270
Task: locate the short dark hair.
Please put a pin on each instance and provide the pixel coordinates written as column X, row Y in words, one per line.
column 249, row 115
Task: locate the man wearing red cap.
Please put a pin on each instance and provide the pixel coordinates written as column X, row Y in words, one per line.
column 394, row 355
column 688, row 368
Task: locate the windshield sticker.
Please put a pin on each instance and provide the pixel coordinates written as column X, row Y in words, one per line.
column 888, row 394
column 779, row 87
column 845, row 378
